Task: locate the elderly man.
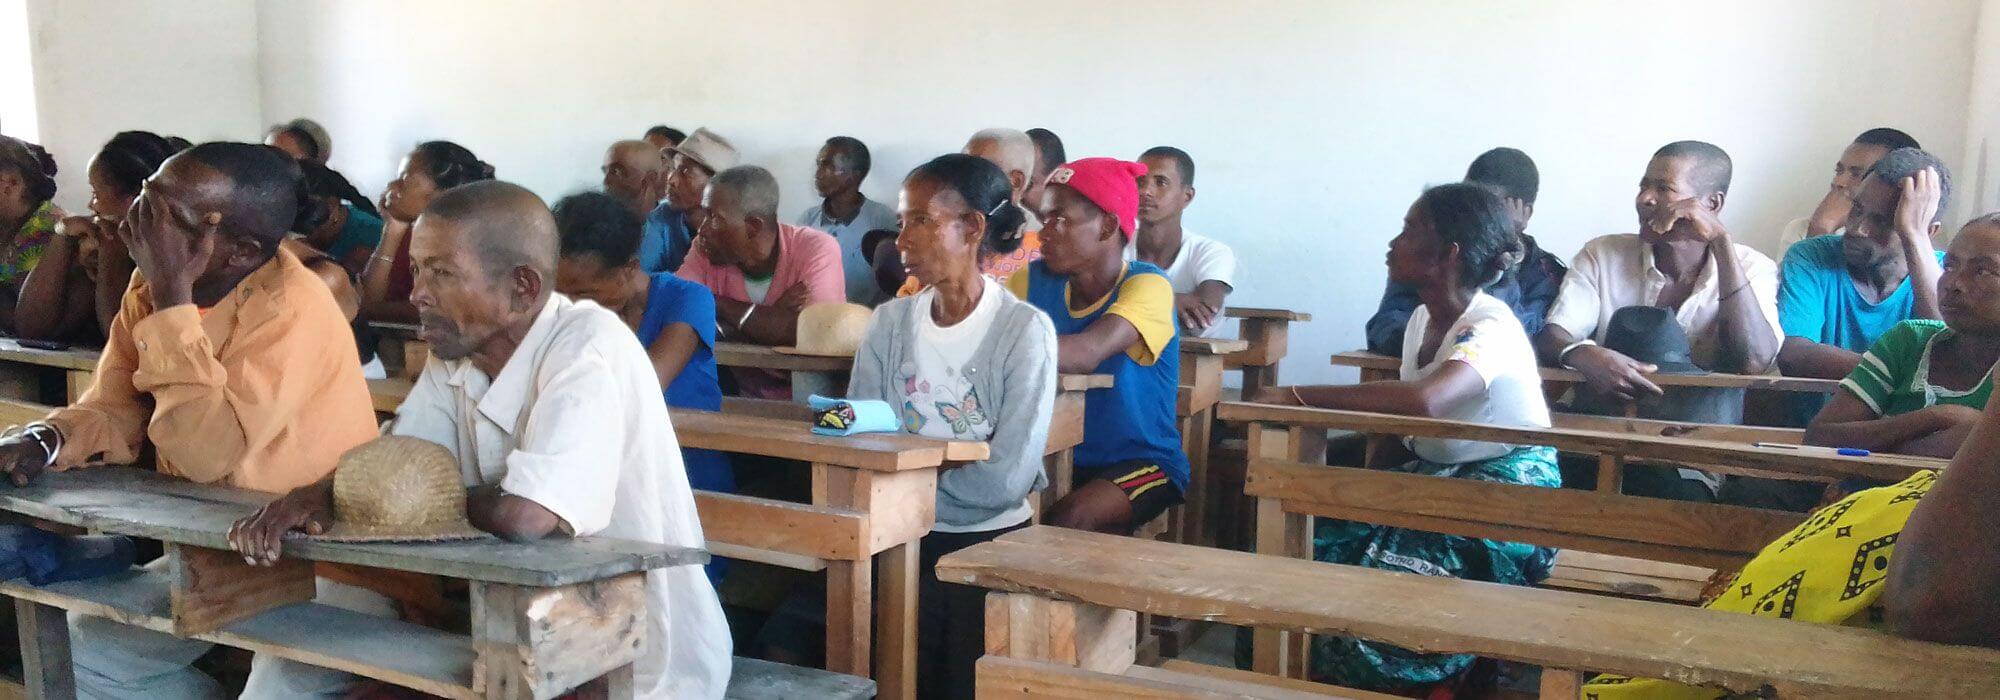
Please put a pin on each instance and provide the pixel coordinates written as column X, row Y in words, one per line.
column 670, row 228
column 636, row 173
column 553, row 411
column 848, row 215
column 232, row 362
column 762, row 272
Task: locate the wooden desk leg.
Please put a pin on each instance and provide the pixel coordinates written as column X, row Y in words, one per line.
column 79, row 381
column 45, row 660
column 1277, row 652
column 1062, row 470
column 849, row 584
column 1561, row 683
column 542, row 642
column 896, row 623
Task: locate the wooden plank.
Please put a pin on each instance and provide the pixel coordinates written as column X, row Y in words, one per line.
column 1083, row 636
column 816, row 532
column 1083, row 382
column 797, row 562
column 896, row 623
column 1632, row 581
column 388, row 394
column 1002, row 677
column 1367, row 360
column 1066, row 422
column 1201, row 384
column 756, row 679
column 1657, row 521
column 1883, row 467
column 767, row 408
column 1269, row 343
column 213, row 588
column 542, row 642
column 46, row 672
column 126, row 501
column 1203, row 347
column 792, row 440
column 1434, row 614
column 849, row 585
column 1251, row 679
column 1511, row 533
column 733, row 354
column 78, row 381
column 74, row 358
column 1274, row 314
column 1745, row 434
column 13, row 412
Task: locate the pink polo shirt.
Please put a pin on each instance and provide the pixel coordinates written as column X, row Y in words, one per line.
column 805, row 255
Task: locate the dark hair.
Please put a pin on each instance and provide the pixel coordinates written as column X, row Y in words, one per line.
column 1182, row 161
column 269, row 196
column 33, row 164
column 1905, row 162
column 305, row 138
column 179, row 144
column 1509, row 170
column 1886, row 137
column 1712, row 168
column 451, row 165
column 985, row 189
column 132, row 156
column 672, row 134
column 595, row 223
column 1048, row 148
column 855, row 151
column 323, row 181
column 1474, row 217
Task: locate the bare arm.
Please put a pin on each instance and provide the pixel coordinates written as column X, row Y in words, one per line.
column 1944, row 578
column 1914, row 226
column 1081, row 353
column 1429, row 397
column 670, row 352
column 1848, row 422
column 511, row 517
column 1746, row 343
column 768, row 325
column 377, row 304
column 1799, row 357
column 55, row 297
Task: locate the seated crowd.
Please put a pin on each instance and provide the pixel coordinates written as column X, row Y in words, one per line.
column 232, row 287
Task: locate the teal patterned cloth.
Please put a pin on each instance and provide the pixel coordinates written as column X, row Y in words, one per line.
column 1367, row 665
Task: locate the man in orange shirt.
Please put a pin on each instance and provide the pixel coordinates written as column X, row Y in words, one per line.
column 233, row 361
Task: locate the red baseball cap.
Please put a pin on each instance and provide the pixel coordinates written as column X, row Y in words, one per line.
column 1109, row 183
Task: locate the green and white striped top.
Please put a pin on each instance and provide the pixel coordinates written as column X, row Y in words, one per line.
column 1894, row 376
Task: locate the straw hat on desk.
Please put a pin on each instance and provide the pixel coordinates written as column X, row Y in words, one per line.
column 399, row 489
column 830, row 330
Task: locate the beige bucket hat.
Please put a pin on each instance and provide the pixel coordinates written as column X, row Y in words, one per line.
column 399, row 489
column 830, row 330
column 708, row 149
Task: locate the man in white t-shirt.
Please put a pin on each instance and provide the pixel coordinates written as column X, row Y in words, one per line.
column 1202, row 269
column 554, row 413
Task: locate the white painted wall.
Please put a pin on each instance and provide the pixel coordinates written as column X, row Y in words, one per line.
column 1314, row 122
column 183, row 68
column 1979, row 169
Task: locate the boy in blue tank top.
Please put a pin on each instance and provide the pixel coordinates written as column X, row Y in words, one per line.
column 1117, row 318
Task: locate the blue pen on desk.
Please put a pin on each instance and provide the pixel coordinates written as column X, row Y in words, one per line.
column 1815, row 449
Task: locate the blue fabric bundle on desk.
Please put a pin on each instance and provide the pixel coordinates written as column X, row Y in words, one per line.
column 45, row 557
column 843, row 417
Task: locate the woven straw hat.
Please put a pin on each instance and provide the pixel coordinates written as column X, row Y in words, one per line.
column 399, row 489
column 830, row 329
column 705, row 147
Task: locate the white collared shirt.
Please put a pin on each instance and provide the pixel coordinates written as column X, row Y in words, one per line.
column 575, row 422
column 1616, row 271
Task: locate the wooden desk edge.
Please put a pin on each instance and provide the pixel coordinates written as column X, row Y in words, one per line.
column 1255, row 312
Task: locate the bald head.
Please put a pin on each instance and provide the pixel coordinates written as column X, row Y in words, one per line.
column 503, row 223
column 1011, row 149
column 637, row 155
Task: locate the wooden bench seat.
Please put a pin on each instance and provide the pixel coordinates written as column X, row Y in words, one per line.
column 754, row 679
column 1005, row 677
column 1089, row 573
column 1628, row 577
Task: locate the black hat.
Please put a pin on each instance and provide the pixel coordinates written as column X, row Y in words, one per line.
column 1650, row 334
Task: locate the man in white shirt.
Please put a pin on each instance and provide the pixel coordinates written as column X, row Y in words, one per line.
column 1202, row 269
column 848, row 215
column 554, row 413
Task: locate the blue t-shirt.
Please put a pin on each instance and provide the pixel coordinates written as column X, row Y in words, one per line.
column 665, row 241
column 362, row 230
column 671, row 300
column 1817, row 301
column 1134, row 418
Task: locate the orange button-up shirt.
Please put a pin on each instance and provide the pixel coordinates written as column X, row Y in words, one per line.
column 263, row 391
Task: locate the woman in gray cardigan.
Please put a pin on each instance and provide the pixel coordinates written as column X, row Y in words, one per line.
column 962, row 360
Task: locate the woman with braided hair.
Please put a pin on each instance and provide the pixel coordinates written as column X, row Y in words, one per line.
column 430, row 169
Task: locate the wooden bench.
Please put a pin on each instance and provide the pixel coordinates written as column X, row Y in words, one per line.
column 1374, row 367
column 1267, row 331
column 44, row 376
column 811, row 374
column 546, row 616
column 873, row 497
column 1056, row 625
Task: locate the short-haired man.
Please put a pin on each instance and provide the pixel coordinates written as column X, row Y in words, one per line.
column 1529, row 288
column 670, row 229
column 846, row 214
column 1113, row 317
column 1855, row 160
column 663, row 137
column 1202, row 269
column 232, row 363
column 1014, row 152
column 1049, row 154
column 636, row 173
column 555, row 416
column 1723, row 296
column 762, row 272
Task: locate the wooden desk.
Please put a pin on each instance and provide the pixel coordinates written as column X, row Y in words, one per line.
column 1374, row 367
column 547, row 616
column 32, row 370
column 811, row 374
column 1065, row 433
column 1061, row 596
column 874, row 496
column 1202, row 362
column 1267, row 331
column 388, row 394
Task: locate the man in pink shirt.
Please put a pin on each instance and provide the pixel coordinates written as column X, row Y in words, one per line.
column 762, row 272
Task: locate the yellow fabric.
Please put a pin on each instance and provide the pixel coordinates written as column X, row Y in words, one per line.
column 1828, row 570
column 1148, row 302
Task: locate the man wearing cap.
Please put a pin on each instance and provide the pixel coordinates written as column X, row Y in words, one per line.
column 762, row 272
column 553, row 412
column 1113, row 317
column 1202, row 269
column 846, row 214
column 671, row 228
column 636, row 173
column 1014, row 152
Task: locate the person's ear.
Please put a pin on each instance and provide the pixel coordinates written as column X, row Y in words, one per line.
column 1190, row 193
column 527, row 284
column 1935, row 227
column 1018, row 179
column 1714, row 201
